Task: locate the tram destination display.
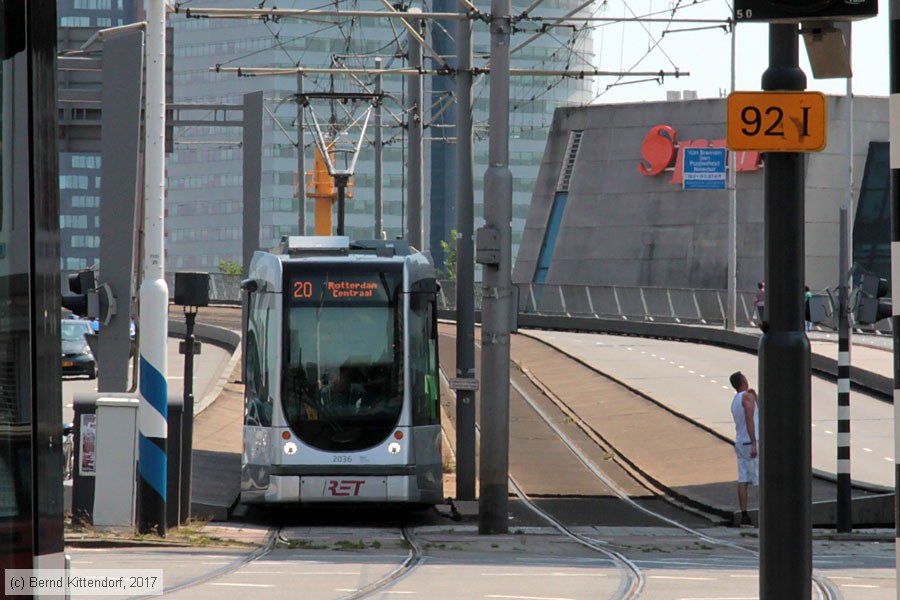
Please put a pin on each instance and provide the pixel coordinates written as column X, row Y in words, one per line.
column 339, row 288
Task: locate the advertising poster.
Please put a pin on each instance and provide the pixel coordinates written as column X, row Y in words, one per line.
column 87, row 465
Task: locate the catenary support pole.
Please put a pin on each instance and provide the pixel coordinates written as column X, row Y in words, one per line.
column 894, row 42
column 154, row 293
column 495, row 244
column 844, row 516
column 415, row 220
column 785, row 440
column 379, row 155
column 465, row 267
column 731, row 302
column 301, row 162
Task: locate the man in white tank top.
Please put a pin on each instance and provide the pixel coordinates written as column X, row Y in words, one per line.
column 745, row 412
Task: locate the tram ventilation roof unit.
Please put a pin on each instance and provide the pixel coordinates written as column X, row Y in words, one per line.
column 315, row 244
column 382, row 247
column 296, row 245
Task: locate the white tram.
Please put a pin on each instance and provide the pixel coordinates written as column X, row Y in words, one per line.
column 341, row 398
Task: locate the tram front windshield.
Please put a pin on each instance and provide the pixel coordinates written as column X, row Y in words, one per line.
column 343, row 354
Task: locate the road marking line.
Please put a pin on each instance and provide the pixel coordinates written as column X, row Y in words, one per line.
column 867, row 449
column 829, row 432
column 859, row 585
column 544, row 575
column 253, row 585
column 681, row 578
column 525, row 597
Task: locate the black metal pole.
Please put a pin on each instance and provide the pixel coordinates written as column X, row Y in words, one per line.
column 341, row 186
column 187, row 414
column 785, row 440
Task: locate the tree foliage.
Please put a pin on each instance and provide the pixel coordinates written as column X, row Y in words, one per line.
column 230, row 267
column 449, row 270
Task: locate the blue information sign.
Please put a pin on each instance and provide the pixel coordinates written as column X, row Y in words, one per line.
column 704, row 168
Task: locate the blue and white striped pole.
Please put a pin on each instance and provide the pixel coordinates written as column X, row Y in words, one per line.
column 894, row 44
column 154, row 293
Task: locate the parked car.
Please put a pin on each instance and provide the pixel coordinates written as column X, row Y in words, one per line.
column 77, row 358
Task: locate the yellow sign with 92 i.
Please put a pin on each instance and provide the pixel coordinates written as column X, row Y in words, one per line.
column 777, row 121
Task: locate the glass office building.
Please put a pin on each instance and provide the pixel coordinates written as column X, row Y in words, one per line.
column 79, row 173
column 204, row 204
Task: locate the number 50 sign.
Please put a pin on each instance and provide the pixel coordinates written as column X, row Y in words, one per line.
column 777, row 121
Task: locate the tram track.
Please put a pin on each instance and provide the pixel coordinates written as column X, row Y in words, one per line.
column 261, row 551
column 633, row 580
column 825, row 590
column 413, row 560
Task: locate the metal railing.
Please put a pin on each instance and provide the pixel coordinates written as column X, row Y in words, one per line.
column 674, row 305
column 636, row 303
column 669, row 305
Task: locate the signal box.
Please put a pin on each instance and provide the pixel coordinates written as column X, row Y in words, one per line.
column 796, row 11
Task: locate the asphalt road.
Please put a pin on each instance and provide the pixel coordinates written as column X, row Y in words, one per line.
column 692, row 379
column 207, row 368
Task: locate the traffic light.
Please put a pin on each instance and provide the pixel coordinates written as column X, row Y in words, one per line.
column 101, row 303
column 796, row 11
column 79, row 285
column 87, row 299
column 871, row 304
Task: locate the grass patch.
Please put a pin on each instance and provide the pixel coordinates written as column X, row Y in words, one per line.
column 189, row 534
column 347, row 545
column 301, row 545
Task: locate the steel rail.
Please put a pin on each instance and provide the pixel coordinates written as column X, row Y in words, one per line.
column 823, row 587
column 632, row 578
column 261, row 551
column 825, row 590
column 413, row 559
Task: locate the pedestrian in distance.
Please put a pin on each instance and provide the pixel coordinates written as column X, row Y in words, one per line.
column 807, row 296
column 745, row 412
column 759, row 301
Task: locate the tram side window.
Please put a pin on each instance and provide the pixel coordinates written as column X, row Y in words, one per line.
column 423, row 355
column 257, row 404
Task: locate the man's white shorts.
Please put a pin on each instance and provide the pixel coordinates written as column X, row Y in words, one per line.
column 748, row 468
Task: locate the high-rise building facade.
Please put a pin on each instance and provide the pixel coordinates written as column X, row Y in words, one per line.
column 204, row 204
column 79, row 173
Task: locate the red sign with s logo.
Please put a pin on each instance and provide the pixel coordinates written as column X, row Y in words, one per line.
column 661, row 150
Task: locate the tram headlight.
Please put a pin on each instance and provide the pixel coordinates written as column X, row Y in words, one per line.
column 290, row 448
column 394, row 448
